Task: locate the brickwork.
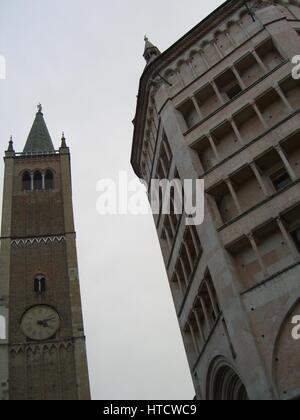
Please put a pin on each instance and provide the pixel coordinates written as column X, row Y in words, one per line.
column 37, row 247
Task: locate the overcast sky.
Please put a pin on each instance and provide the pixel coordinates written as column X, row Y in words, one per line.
column 82, row 59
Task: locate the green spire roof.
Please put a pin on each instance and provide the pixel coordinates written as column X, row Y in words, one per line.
column 39, row 140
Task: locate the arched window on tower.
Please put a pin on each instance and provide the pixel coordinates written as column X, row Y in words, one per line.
column 40, row 284
column 26, row 181
column 49, row 184
column 38, row 181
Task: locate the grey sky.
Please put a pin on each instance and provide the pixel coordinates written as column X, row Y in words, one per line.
column 82, row 60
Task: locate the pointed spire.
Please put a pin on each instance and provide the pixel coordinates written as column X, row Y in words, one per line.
column 151, row 52
column 39, row 140
column 64, row 150
column 10, row 152
column 63, row 141
column 11, row 145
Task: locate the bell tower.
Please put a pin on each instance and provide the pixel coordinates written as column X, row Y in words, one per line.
column 43, row 352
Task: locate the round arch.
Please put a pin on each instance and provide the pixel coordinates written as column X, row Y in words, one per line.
column 224, row 384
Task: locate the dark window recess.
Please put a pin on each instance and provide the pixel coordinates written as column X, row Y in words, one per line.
column 49, row 180
column 296, row 238
column 280, row 179
column 26, row 182
column 38, row 181
column 40, row 285
column 233, row 91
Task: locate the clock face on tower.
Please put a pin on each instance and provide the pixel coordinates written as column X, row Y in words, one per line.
column 40, row 323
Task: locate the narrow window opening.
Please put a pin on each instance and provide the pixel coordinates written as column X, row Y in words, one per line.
column 40, row 285
column 49, row 181
column 26, row 180
column 38, row 181
column 233, row 91
column 280, row 179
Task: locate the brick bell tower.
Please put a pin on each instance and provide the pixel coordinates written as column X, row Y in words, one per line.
column 43, row 353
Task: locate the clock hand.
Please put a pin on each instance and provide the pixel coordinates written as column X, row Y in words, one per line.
column 49, row 319
column 43, row 323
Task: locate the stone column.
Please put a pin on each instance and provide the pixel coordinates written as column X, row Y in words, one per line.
column 180, row 78
column 202, row 54
column 260, row 62
column 32, row 181
column 149, row 144
column 195, row 241
column 221, row 55
column 191, row 262
column 196, row 105
column 186, row 279
column 260, row 115
column 218, row 93
column 179, row 284
column 43, row 181
column 239, row 79
column 260, row 179
column 232, row 41
column 168, row 239
column 190, row 64
column 283, row 97
column 199, row 326
column 211, row 296
column 147, row 167
column 236, row 131
column 213, row 146
column 154, row 138
column 288, row 239
column 234, row 196
column 171, row 225
column 286, row 163
column 205, row 312
column 197, row 350
column 163, row 168
column 257, row 254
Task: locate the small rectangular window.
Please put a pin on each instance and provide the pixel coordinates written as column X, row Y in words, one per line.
column 228, row 85
column 40, row 285
column 233, row 91
column 280, row 179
